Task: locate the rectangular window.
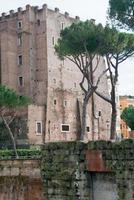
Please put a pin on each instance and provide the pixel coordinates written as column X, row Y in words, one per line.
column 99, row 113
column 53, row 40
column 65, row 127
column 21, row 81
column 38, row 22
column 88, row 129
column 19, row 24
column 62, row 25
column 20, row 40
column 20, row 60
column 55, row 102
column 39, row 127
column 54, row 80
column 65, row 103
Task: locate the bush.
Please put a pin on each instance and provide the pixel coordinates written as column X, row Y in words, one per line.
column 23, row 154
column 128, row 116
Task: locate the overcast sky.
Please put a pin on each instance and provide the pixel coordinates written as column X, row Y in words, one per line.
column 86, row 9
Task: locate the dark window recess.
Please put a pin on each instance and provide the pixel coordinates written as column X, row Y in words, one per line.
column 65, row 103
column 62, row 26
column 55, row 102
column 54, row 80
column 99, row 113
column 20, row 60
column 53, row 40
column 38, row 22
column 88, row 129
column 19, row 24
column 65, row 127
column 21, row 81
column 19, row 40
column 39, row 127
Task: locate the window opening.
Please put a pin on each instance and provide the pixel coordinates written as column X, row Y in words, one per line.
column 55, row 102
column 88, row 129
column 21, row 81
column 62, row 25
column 19, row 40
column 20, row 60
column 38, row 22
column 54, row 80
column 39, row 127
column 65, row 103
column 65, row 127
column 53, row 40
column 19, row 25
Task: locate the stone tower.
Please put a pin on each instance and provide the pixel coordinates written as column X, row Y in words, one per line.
column 28, row 64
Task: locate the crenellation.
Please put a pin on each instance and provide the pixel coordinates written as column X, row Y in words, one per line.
column 44, row 6
column 3, row 15
column 28, row 7
column 77, row 18
column 11, row 12
column 93, row 21
column 57, row 10
column 36, row 8
column 66, row 14
column 20, row 9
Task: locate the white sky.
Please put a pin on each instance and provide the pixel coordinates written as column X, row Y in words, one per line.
column 86, row 9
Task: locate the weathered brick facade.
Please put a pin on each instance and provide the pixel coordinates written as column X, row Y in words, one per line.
column 29, row 65
column 20, row 180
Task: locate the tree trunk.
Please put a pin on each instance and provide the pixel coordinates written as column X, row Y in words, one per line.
column 93, row 116
column 11, row 136
column 78, row 121
column 84, row 123
column 113, row 114
column 84, row 111
column 113, row 122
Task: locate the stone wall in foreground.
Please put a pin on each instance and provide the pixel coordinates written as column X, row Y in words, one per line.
column 63, row 171
column 20, row 180
column 98, row 170
column 95, row 171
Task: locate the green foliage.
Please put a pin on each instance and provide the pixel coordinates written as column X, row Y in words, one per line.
column 117, row 43
column 18, row 127
column 10, row 99
column 78, row 38
column 22, row 153
column 128, row 116
column 86, row 36
column 84, row 41
column 122, row 11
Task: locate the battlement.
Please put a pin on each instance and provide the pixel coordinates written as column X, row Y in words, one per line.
column 14, row 13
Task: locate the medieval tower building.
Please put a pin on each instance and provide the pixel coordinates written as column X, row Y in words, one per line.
column 29, row 65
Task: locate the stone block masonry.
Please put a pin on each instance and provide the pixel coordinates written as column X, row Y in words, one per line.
column 30, row 66
column 20, row 180
column 63, row 171
column 99, row 170
column 68, row 174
